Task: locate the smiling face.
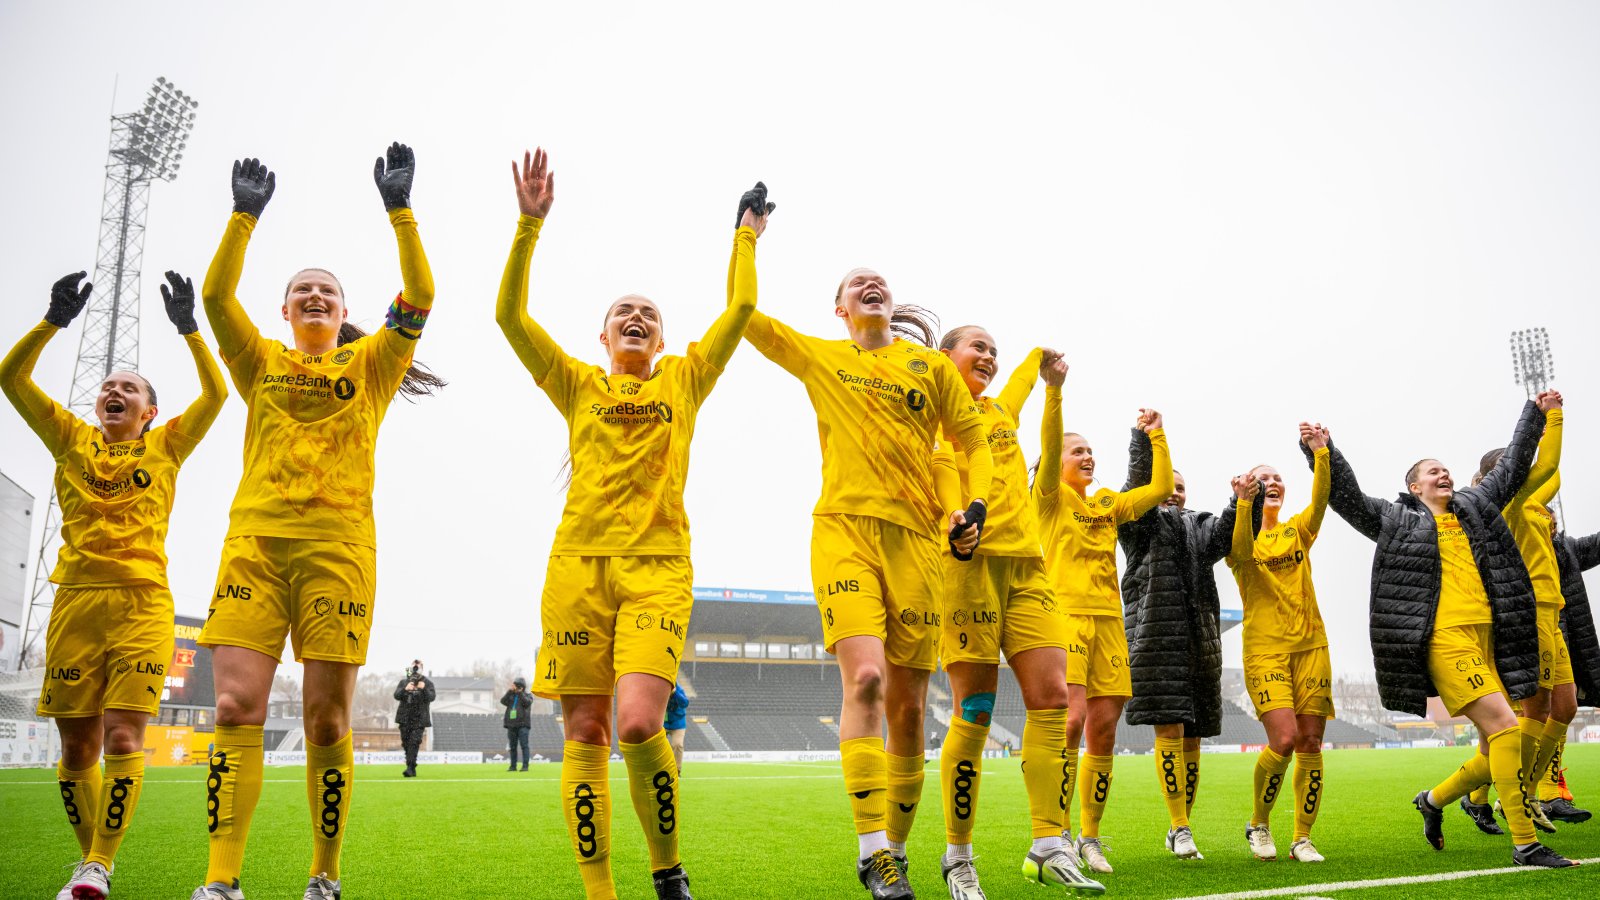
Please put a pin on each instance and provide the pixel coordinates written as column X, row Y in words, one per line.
column 1271, row 486
column 1077, row 462
column 1430, row 482
column 864, row 300
column 632, row 330
column 124, row 405
column 314, row 304
column 975, row 355
column 1180, row 492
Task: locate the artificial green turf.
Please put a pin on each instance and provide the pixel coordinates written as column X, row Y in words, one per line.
column 781, row 831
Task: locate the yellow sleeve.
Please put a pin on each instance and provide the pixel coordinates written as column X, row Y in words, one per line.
column 44, row 416
column 232, row 326
column 779, row 343
column 958, row 416
column 192, row 424
column 1321, row 484
column 409, row 312
column 1048, row 479
column 1132, row 504
column 947, row 477
column 533, row 345
column 1244, row 539
column 719, row 343
column 1014, row 395
column 1547, row 491
column 1546, row 463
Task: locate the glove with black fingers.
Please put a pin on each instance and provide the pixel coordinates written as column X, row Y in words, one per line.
column 67, row 300
column 253, row 184
column 754, row 200
column 180, row 303
column 976, row 513
column 394, row 182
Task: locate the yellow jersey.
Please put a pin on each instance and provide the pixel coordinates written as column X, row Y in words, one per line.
column 628, row 438
column 1011, row 527
column 879, row 414
column 1529, row 518
column 115, row 498
column 1080, row 533
column 1273, row 571
column 1462, row 598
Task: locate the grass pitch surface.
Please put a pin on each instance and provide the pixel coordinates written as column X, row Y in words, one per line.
column 782, row 830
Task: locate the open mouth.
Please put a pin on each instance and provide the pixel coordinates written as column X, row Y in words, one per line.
column 635, row 330
column 1274, row 494
column 984, row 368
column 872, row 298
column 115, row 405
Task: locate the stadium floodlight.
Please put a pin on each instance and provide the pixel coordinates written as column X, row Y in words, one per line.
column 1532, row 364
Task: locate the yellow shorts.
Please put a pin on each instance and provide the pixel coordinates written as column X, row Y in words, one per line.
column 1097, row 655
column 874, row 577
column 1555, row 666
column 1461, row 664
column 609, row 616
column 106, row 648
column 319, row 593
column 998, row 603
column 1300, row 681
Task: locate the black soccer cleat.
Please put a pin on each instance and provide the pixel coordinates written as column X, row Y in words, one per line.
column 1432, row 820
column 1562, row 810
column 672, row 884
column 880, row 874
column 1540, row 855
column 1482, row 815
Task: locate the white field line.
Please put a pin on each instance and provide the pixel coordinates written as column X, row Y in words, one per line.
column 1305, row 890
column 425, row 779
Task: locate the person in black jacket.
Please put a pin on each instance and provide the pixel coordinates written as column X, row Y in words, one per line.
column 1574, row 556
column 414, row 694
column 1171, row 614
column 1452, row 615
column 518, row 703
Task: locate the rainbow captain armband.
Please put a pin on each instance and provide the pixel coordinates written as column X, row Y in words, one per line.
column 405, row 318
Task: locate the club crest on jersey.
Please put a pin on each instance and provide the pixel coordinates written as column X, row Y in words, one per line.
column 122, row 665
column 909, row 616
column 1106, row 501
column 322, row 606
column 138, row 451
column 343, row 356
column 959, row 617
column 1049, row 604
column 917, row 366
column 644, row 621
column 1255, row 682
column 1116, row 661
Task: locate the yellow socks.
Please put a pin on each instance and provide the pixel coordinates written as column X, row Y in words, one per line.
column 1046, row 769
column 119, row 794
column 1191, row 778
column 330, row 781
column 233, row 785
column 1307, row 792
column 866, row 779
column 1169, row 778
column 1480, row 795
column 905, row 789
column 586, row 803
column 960, row 768
column 1071, row 755
column 80, row 797
column 1545, row 766
column 1092, row 793
column 1267, row 782
column 1505, row 766
column 653, row 784
column 1472, row 777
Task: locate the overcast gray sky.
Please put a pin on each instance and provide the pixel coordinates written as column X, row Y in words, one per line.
column 1241, row 214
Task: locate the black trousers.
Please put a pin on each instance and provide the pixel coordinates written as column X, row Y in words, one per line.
column 516, row 737
column 411, row 739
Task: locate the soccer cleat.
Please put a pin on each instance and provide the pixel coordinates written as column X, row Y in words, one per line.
column 672, row 884
column 904, row 862
column 1059, row 867
column 961, row 878
column 1304, row 851
column 216, row 890
column 1482, row 815
column 881, row 876
column 1562, row 810
column 1092, row 853
column 410, row 772
column 1260, row 838
column 1535, row 815
column 1540, row 855
column 1180, row 841
column 320, row 888
column 91, row 881
column 66, row 890
column 1432, row 820
column 1561, row 785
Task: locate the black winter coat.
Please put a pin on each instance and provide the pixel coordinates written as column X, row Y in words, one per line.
column 1170, row 609
column 413, row 711
column 1405, row 572
column 1577, row 620
column 520, row 702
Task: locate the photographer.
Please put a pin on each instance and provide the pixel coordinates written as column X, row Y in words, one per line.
column 414, row 694
column 518, row 703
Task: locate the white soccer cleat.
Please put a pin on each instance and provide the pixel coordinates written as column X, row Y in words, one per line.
column 321, row 888
column 1304, row 851
column 1180, row 841
column 1093, row 854
column 1059, row 868
column 216, row 890
column 961, row 878
column 66, row 890
column 1260, row 838
column 90, row 881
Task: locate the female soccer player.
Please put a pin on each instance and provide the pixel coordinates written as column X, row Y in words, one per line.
column 881, row 402
column 1286, row 663
column 618, row 589
column 1574, row 555
column 1002, row 601
column 110, row 636
column 300, row 555
column 1462, row 628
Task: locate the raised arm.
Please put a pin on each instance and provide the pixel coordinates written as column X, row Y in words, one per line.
column 1216, row 533
column 253, row 186
column 723, row 337
column 958, row 416
column 1364, row 513
column 1316, row 438
column 1587, row 549
column 1511, row 472
column 1547, row 492
column 535, row 186
column 1014, row 395
column 1139, row 460
column 408, row 313
column 1548, row 461
column 1130, row 505
column 1242, row 545
column 44, row 416
column 194, row 422
column 1047, row 480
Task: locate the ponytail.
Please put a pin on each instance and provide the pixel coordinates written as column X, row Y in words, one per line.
column 419, row 380
column 914, row 323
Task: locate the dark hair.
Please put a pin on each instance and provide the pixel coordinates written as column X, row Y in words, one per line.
column 953, row 337
column 1411, row 473
column 419, row 380
column 1487, row 463
column 151, row 390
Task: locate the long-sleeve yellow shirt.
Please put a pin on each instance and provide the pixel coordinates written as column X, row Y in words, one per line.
column 115, row 498
column 629, row 439
column 879, row 414
column 312, row 423
column 1273, row 570
column 1529, row 517
column 1012, row 526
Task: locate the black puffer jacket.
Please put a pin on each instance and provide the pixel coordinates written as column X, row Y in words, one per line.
column 1577, row 621
column 1170, row 609
column 1405, row 572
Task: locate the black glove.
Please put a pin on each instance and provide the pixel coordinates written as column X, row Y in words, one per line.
column 976, row 514
column 66, row 300
column 754, row 199
column 394, row 185
column 180, row 303
column 253, row 185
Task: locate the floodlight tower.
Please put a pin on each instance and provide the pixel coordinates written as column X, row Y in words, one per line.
column 146, row 145
column 1534, row 367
